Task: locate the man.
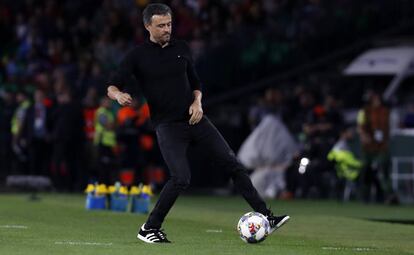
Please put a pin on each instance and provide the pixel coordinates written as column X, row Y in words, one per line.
column 105, row 141
column 67, row 138
column 7, row 108
column 165, row 72
column 38, row 131
column 347, row 166
column 19, row 136
column 373, row 127
column 134, row 138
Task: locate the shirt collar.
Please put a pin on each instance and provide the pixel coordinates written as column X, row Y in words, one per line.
column 171, row 43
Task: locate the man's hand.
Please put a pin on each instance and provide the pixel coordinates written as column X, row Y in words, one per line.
column 120, row 97
column 196, row 112
column 123, row 98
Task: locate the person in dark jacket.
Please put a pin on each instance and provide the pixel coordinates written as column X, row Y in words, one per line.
column 68, row 138
column 165, row 72
column 38, row 129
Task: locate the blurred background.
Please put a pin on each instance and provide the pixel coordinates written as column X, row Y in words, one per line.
column 315, row 97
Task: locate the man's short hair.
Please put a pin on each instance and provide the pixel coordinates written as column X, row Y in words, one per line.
column 155, row 9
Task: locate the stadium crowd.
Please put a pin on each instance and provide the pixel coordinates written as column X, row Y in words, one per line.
column 249, row 39
column 57, row 55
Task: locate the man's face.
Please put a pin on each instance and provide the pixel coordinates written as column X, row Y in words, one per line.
column 160, row 28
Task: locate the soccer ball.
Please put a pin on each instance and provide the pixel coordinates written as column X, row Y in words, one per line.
column 253, row 227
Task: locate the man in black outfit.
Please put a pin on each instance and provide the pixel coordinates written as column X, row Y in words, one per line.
column 165, row 72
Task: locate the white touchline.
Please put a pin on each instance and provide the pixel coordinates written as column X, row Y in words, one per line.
column 362, row 249
column 13, row 226
column 332, row 248
column 347, row 248
column 82, row 243
column 214, row 231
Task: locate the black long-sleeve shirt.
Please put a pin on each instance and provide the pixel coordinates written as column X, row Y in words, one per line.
column 166, row 77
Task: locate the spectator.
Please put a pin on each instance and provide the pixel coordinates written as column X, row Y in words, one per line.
column 321, row 127
column 346, row 164
column 128, row 137
column 68, row 138
column 105, row 141
column 38, row 134
column 136, row 138
column 271, row 103
column 78, row 42
column 320, row 131
column 19, row 142
column 373, row 127
column 7, row 108
column 90, row 105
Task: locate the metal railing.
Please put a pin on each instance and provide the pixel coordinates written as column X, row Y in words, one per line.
column 403, row 182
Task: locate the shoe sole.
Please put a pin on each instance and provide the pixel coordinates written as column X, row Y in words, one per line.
column 280, row 224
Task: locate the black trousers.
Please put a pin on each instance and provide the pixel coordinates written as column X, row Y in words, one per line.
column 174, row 139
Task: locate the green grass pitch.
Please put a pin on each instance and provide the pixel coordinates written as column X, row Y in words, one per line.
column 59, row 224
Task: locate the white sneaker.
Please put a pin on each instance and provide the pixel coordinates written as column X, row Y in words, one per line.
column 152, row 235
column 276, row 222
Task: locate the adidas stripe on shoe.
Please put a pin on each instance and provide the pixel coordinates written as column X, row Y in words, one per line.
column 152, row 235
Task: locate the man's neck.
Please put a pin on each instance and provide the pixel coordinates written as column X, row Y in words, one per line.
column 161, row 44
